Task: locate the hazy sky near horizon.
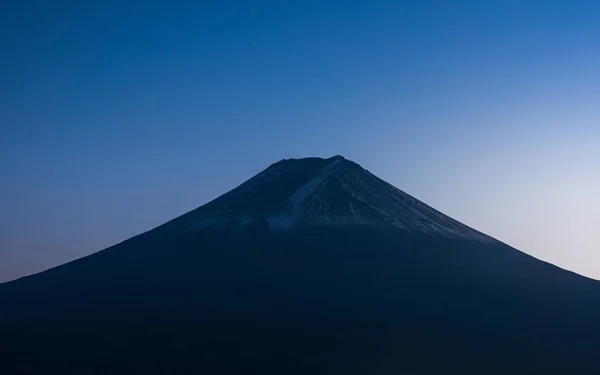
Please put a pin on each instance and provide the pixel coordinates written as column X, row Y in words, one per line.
column 116, row 116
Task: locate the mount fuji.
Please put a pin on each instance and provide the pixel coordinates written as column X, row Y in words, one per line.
column 313, row 266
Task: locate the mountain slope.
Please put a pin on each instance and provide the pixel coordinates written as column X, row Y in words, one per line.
column 361, row 279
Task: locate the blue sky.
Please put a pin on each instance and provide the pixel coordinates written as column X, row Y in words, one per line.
column 117, row 116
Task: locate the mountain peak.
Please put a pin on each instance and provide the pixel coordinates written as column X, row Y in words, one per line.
column 306, row 160
column 293, row 194
column 337, row 157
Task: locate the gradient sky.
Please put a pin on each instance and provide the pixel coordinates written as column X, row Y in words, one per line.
column 116, row 116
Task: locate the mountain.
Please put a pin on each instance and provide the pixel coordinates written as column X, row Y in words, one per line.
column 313, row 266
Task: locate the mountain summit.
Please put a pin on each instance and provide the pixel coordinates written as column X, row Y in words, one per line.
column 312, row 192
column 313, row 266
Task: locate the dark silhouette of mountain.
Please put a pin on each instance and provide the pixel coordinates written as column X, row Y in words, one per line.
column 314, row 266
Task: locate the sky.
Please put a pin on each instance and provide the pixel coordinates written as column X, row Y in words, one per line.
column 116, row 116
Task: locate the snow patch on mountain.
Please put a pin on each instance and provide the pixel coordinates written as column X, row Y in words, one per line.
column 285, row 219
column 313, row 192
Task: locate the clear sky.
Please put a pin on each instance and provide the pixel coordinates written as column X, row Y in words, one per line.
column 116, row 116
